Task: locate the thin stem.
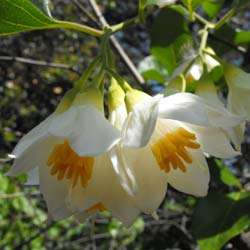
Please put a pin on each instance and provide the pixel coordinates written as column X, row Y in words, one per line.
column 124, row 85
column 203, row 20
column 77, row 26
column 203, row 40
column 122, row 25
column 183, row 83
column 118, row 47
column 38, row 63
column 81, row 83
column 225, row 18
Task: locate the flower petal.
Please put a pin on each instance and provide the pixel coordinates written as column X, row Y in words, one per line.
column 122, row 169
column 32, row 156
column 88, row 131
column 141, row 122
column 150, row 180
column 103, row 187
column 196, row 110
column 54, row 191
column 33, row 177
column 214, row 141
column 35, row 134
column 195, row 180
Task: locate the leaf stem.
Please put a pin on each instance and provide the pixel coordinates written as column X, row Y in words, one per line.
column 225, row 18
column 122, row 25
column 79, row 27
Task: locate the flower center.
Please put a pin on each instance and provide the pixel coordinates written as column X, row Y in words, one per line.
column 171, row 150
column 65, row 163
column 98, row 206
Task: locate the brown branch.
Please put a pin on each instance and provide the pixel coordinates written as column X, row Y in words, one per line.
column 38, row 63
column 115, row 43
column 83, row 9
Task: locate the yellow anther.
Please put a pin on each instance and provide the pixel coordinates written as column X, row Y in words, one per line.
column 65, row 163
column 98, row 206
column 171, row 150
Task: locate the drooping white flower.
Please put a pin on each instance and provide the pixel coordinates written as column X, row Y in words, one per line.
column 173, row 133
column 237, row 103
column 197, row 69
column 64, row 147
column 238, row 83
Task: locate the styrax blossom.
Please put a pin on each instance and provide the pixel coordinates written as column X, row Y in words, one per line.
column 64, row 147
column 197, row 69
column 164, row 141
column 238, row 83
column 237, row 100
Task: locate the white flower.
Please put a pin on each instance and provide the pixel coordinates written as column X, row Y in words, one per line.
column 63, row 148
column 237, row 101
column 196, row 70
column 238, row 83
column 173, row 133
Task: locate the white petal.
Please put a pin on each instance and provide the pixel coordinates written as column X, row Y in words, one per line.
column 104, row 187
column 32, row 156
column 239, row 101
column 196, row 110
column 121, row 168
column 116, row 200
column 86, row 128
column 33, row 177
column 207, row 90
column 195, row 180
column 63, row 124
column 35, row 134
column 214, row 141
column 236, row 134
column 141, row 122
column 151, row 181
column 118, row 116
column 54, row 192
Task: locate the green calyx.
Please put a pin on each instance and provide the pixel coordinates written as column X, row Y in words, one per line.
column 90, row 96
column 133, row 97
column 67, row 100
column 115, row 95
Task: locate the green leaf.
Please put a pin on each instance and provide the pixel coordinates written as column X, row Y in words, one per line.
column 221, row 174
column 169, row 44
column 212, row 7
column 166, row 56
column 22, row 15
column 242, row 37
column 218, row 218
column 43, row 5
column 152, row 69
column 227, row 176
column 192, row 4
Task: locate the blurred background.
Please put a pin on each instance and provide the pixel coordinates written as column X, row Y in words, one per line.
column 37, row 68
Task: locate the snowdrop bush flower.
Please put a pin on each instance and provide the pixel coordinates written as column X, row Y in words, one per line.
column 66, row 147
column 238, row 83
column 164, row 140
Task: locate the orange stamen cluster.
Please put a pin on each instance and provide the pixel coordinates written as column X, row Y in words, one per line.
column 65, row 163
column 170, row 151
column 98, row 206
